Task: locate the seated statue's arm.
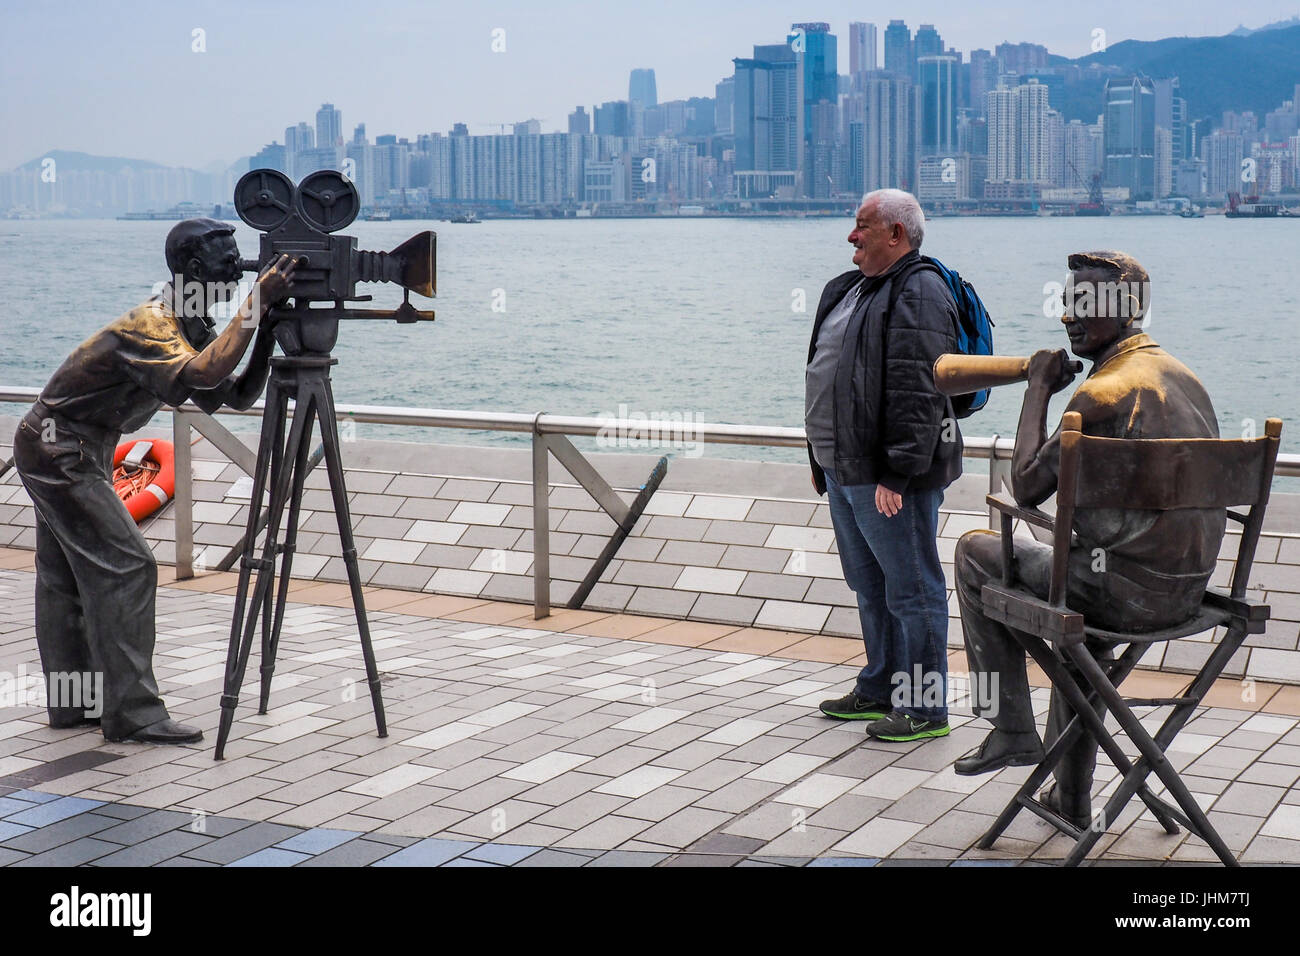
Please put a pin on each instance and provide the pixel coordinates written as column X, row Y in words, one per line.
column 1035, row 463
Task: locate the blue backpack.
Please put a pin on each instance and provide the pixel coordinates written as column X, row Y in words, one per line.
column 974, row 326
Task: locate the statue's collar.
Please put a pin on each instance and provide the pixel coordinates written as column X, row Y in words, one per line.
column 197, row 329
column 1130, row 344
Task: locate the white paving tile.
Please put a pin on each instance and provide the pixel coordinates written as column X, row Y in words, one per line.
column 435, row 532
column 501, row 561
column 479, row 512
column 442, row 736
column 1284, row 823
column 502, row 713
column 717, row 506
column 787, row 768
column 800, row 538
column 456, row 581
column 390, row 549
column 879, row 837
column 892, row 783
column 817, row 791
column 292, row 729
column 651, row 719
column 393, row 780
column 730, row 675
column 738, row 732
column 712, row 580
column 543, row 768
column 639, row 782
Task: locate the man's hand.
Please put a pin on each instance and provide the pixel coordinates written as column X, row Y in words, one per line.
column 1049, row 370
column 274, row 282
column 888, row 503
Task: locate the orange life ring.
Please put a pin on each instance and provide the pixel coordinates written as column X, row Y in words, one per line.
column 150, row 486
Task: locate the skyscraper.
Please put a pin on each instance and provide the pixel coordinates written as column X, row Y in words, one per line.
column 768, row 110
column 888, row 132
column 937, row 85
column 725, row 100
column 580, row 121
column 862, row 48
column 927, row 42
column 898, row 48
column 818, row 62
column 329, row 126
column 1130, row 135
column 983, row 77
column 641, row 89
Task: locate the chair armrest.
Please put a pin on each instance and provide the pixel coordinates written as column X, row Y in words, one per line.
column 1253, row 613
column 1029, row 515
column 1022, row 611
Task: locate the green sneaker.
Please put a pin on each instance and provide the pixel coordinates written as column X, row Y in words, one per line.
column 900, row 727
column 853, row 707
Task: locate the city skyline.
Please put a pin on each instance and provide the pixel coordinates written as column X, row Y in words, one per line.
column 89, row 103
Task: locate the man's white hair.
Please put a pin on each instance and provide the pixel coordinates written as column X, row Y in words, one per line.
column 895, row 205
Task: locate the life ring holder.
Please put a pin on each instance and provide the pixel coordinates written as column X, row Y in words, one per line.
column 133, row 462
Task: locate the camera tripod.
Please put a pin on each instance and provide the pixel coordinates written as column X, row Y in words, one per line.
column 282, row 466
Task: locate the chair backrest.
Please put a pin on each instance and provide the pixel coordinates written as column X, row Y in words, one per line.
column 1163, row 474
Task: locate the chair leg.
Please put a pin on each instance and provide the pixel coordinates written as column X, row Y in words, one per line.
column 1153, row 756
column 1025, row 796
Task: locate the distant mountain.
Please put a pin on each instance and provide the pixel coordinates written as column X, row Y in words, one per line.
column 1242, row 31
column 71, row 160
column 1253, row 72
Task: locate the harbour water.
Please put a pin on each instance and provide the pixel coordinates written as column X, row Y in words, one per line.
column 701, row 319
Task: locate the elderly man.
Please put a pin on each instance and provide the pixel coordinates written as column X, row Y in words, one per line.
column 1156, row 564
column 95, row 574
column 884, row 445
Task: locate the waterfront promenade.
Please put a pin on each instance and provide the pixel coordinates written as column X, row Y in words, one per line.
column 585, row 739
column 673, row 722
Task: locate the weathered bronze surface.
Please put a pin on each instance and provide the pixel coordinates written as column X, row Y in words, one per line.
column 1132, row 568
column 95, row 574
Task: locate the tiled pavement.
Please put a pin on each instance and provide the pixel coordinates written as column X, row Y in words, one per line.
column 587, row 740
column 765, row 560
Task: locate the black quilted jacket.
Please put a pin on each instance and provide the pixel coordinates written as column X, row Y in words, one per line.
column 892, row 427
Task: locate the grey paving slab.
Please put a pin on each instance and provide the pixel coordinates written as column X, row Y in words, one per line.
column 241, row 843
column 75, row 853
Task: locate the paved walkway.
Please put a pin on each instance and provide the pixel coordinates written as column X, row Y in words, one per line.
column 588, row 740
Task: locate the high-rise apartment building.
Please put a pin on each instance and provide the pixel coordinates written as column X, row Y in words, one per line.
column 641, row 89
column 862, row 48
column 1130, row 131
column 888, row 133
column 936, row 83
column 899, row 57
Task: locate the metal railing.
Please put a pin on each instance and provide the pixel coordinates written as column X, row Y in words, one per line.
column 549, row 433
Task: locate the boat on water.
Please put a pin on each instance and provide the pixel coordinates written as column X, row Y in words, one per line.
column 1252, row 208
column 184, row 210
column 379, row 215
column 1191, row 213
column 465, row 218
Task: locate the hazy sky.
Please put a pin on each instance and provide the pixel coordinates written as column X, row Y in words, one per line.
column 122, row 79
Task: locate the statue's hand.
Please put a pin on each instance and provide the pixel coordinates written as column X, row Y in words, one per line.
column 275, row 281
column 1049, row 369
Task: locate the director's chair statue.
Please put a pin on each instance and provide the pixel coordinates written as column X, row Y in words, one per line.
column 1160, row 474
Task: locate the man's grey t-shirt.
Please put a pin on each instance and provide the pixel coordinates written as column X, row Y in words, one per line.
column 819, row 378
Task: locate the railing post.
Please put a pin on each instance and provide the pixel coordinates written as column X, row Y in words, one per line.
column 541, row 524
column 183, row 513
column 999, row 472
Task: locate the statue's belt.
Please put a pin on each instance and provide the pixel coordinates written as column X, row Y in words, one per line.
column 40, row 413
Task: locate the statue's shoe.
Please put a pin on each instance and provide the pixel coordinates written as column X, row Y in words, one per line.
column 1051, row 799
column 1001, row 750
column 163, row 732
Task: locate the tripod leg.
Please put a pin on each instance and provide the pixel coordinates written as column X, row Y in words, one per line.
column 307, row 409
column 277, row 464
column 334, row 463
column 265, row 568
column 230, row 691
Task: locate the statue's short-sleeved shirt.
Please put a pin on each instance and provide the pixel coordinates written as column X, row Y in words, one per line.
column 119, row 377
column 1144, row 392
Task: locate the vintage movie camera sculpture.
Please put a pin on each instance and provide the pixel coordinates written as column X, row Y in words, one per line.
column 301, row 221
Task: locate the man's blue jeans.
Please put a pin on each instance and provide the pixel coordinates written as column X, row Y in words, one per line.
column 892, row 564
